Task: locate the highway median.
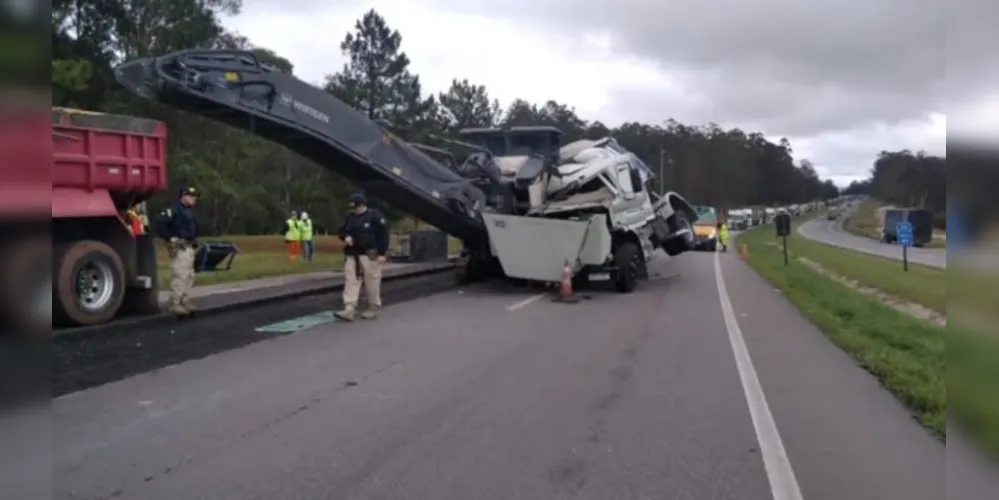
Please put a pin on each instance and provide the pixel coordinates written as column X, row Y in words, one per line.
column 872, row 309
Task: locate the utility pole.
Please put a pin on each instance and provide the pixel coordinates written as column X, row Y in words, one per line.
column 662, row 175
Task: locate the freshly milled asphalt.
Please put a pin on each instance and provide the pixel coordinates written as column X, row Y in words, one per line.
column 483, row 394
column 122, row 349
column 830, row 233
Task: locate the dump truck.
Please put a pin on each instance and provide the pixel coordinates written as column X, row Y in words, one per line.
column 102, row 165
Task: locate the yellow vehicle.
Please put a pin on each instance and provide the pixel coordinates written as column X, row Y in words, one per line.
column 705, row 231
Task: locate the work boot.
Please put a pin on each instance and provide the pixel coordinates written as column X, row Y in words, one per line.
column 185, row 302
column 346, row 314
column 370, row 313
column 179, row 310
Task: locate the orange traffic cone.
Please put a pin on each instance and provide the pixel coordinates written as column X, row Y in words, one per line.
column 744, row 252
column 565, row 293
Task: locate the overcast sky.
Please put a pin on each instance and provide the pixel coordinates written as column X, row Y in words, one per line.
column 842, row 80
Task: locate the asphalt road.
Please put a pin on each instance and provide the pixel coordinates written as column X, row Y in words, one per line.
column 90, row 357
column 494, row 393
column 830, row 233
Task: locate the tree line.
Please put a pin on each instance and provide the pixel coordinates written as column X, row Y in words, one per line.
column 907, row 179
column 708, row 164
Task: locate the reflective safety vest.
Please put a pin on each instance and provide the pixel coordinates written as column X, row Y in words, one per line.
column 135, row 224
column 294, row 231
column 306, row 229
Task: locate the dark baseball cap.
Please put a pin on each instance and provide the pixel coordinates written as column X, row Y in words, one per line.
column 358, row 199
column 189, row 191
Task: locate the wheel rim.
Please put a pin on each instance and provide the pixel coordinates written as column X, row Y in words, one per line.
column 94, row 286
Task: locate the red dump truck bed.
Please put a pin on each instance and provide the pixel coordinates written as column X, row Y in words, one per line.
column 101, row 162
column 25, row 163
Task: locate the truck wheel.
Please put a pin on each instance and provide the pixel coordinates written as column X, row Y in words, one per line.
column 26, row 294
column 88, row 284
column 675, row 246
column 628, row 260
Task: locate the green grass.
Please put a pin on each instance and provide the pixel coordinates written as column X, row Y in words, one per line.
column 907, row 355
column 265, row 257
column 921, row 285
column 973, row 380
column 974, row 290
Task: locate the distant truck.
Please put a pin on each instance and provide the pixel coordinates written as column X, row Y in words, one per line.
column 921, row 220
column 102, row 165
column 738, row 219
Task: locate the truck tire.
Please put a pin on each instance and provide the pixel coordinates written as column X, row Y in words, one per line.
column 628, row 260
column 675, row 246
column 26, row 296
column 88, row 284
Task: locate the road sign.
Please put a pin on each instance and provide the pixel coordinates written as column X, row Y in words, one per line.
column 783, row 223
column 904, row 230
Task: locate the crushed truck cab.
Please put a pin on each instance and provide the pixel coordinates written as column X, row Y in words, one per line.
column 593, row 210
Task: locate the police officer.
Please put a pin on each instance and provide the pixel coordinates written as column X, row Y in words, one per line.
column 366, row 238
column 179, row 228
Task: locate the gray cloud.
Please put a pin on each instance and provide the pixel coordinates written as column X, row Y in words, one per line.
column 802, row 69
column 820, row 65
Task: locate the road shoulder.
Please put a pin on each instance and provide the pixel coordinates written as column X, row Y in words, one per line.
column 845, row 435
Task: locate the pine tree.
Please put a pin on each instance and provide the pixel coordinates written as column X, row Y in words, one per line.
column 376, row 78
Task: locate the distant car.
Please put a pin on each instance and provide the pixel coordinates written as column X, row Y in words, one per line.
column 832, row 215
column 705, row 234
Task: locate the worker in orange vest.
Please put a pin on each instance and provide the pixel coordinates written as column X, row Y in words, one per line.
column 137, row 221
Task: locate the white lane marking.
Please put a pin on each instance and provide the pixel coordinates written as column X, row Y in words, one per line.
column 783, row 484
column 526, row 302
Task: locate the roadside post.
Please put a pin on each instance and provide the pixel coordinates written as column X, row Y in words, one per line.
column 904, row 231
column 783, row 223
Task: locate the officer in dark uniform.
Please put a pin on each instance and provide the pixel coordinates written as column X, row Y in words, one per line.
column 366, row 238
column 178, row 226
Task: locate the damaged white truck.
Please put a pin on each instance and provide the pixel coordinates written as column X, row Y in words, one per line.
column 524, row 205
column 587, row 204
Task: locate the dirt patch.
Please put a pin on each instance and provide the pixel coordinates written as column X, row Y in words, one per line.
column 879, row 214
column 866, row 220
